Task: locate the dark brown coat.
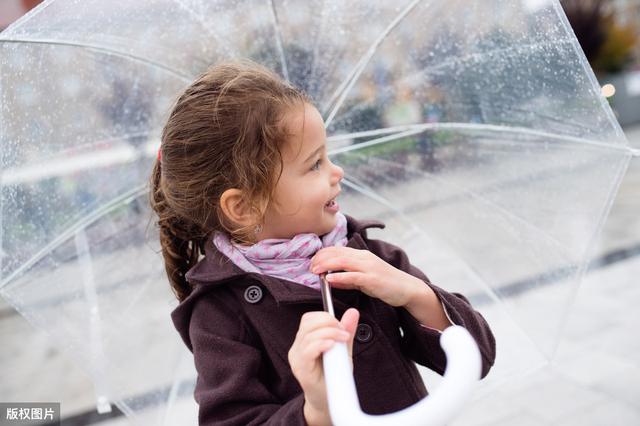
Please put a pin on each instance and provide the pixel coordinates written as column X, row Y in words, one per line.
column 240, row 340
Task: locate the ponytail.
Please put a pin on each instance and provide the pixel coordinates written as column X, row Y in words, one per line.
column 181, row 242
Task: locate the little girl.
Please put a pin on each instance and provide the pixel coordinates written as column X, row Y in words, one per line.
column 243, row 178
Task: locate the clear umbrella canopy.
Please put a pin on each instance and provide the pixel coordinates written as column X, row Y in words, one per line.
column 475, row 131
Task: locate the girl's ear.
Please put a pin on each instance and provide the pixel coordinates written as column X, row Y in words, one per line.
column 235, row 208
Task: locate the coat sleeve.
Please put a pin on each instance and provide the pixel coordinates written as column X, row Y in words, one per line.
column 421, row 343
column 231, row 388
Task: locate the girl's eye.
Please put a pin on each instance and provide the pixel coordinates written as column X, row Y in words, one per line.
column 317, row 163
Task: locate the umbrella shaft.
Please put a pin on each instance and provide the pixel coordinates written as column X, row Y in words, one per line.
column 325, row 289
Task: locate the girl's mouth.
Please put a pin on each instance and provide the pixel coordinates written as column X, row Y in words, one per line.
column 332, row 205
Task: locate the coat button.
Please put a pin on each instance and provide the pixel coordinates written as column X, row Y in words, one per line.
column 364, row 333
column 253, row 294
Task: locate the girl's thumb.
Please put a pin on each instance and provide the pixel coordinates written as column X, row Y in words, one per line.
column 349, row 321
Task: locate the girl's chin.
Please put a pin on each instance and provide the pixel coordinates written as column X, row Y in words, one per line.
column 333, row 220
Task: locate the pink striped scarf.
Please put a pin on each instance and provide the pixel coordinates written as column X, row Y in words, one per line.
column 281, row 257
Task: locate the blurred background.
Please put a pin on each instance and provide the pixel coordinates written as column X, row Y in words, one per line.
column 608, row 32
column 602, row 388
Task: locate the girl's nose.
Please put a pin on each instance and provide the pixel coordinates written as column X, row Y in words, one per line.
column 338, row 173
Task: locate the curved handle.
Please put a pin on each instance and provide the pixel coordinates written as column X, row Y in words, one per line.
column 462, row 372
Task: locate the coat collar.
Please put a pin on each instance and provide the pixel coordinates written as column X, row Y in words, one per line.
column 216, row 268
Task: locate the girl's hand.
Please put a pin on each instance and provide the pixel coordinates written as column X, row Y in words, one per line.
column 317, row 333
column 366, row 272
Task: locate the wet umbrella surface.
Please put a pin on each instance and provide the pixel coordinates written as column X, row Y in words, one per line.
column 475, row 131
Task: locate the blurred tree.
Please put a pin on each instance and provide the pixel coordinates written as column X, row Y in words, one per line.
column 607, row 44
column 617, row 51
column 587, row 20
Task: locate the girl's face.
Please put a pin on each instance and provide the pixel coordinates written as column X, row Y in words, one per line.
column 308, row 182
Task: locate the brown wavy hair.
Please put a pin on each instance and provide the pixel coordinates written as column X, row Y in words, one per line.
column 224, row 131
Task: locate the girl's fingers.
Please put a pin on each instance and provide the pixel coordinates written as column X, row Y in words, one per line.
column 325, row 345
column 337, row 258
column 337, row 264
column 317, row 319
column 311, row 353
column 317, row 327
column 314, row 349
column 332, row 333
column 318, row 333
column 317, row 348
column 348, row 280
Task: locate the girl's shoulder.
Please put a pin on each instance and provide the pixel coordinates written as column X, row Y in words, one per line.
column 360, row 225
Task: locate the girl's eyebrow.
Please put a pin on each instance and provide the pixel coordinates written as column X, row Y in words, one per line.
column 313, row 154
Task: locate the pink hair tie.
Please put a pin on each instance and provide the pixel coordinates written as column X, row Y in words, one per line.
column 160, row 154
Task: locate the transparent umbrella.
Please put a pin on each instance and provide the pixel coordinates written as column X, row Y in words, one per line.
column 475, row 130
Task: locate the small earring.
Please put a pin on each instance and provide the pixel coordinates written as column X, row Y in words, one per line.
column 258, row 229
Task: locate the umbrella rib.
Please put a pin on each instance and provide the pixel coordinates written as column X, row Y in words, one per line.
column 276, row 25
column 410, row 129
column 316, row 46
column 102, row 49
column 62, row 165
column 588, row 252
column 364, row 133
column 343, row 90
column 69, row 232
column 198, row 18
column 368, row 192
column 595, row 85
column 564, row 121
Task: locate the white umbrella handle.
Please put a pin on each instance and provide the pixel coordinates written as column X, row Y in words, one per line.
column 462, row 372
column 439, row 407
